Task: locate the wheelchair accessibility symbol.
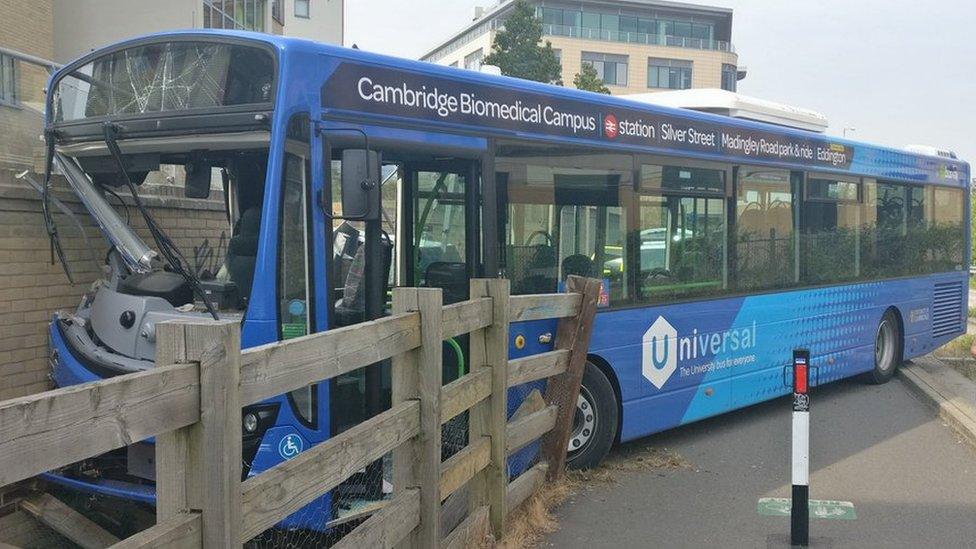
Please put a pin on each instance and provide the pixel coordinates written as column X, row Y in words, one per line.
column 290, row 446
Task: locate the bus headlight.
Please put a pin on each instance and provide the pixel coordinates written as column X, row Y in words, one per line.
column 250, row 422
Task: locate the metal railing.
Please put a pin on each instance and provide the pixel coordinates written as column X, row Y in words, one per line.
column 51, row 66
column 638, row 38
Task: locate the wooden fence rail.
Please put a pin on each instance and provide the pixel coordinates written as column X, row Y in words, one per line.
column 192, row 405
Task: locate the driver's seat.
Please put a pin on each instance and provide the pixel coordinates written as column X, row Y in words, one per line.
column 579, row 265
column 242, row 251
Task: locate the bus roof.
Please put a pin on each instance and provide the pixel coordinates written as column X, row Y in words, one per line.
column 390, row 91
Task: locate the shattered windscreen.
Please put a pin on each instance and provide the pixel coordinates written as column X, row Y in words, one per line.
column 166, row 77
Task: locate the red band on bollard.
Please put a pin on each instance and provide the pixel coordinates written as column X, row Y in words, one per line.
column 800, row 384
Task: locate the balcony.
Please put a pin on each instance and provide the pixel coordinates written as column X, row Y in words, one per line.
column 586, row 33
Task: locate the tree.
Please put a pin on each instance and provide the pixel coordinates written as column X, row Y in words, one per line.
column 517, row 50
column 587, row 79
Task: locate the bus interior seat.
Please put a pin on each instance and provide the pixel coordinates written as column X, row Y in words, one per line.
column 242, row 251
column 449, row 276
column 540, row 271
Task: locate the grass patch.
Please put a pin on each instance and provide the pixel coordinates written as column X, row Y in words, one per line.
column 972, row 282
column 528, row 525
column 531, row 522
column 957, row 348
column 967, row 369
column 957, row 354
column 972, row 312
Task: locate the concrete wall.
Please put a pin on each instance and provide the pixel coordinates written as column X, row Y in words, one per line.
column 324, row 24
column 82, row 25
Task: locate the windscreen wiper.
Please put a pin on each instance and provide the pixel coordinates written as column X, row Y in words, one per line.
column 49, row 225
column 167, row 248
column 39, row 187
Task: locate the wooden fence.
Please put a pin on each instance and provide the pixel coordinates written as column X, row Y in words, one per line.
column 192, row 404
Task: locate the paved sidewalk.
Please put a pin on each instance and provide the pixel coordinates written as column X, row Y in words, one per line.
column 911, row 479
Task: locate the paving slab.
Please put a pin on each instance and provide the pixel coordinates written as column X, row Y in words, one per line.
column 910, row 479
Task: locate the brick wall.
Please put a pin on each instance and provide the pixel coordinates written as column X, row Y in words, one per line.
column 25, row 26
column 28, row 26
column 31, row 289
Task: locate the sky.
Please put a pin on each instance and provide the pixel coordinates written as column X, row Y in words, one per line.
column 897, row 71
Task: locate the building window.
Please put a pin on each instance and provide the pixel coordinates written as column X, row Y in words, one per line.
column 454, row 64
column 729, row 77
column 8, row 80
column 612, row 69
column 277, row 11
column 672, row 74
column 472, row 61
column 625, row 28
column 302, row 8
column 234, row 14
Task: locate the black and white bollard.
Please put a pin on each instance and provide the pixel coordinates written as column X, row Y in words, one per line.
column 800, row 509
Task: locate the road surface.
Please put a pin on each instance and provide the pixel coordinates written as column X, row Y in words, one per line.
column 911, row 480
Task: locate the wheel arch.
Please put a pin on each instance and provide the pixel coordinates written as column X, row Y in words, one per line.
column 902, row 340
column 607, row 370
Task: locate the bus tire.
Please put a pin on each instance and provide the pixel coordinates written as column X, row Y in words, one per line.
column 887, row 349
column 595, row 421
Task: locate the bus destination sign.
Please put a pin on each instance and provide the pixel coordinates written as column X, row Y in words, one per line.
column 384, row 91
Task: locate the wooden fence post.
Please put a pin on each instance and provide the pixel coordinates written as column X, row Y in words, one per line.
column 572, row 333
column 173, row 478
column 477, row 414
column 418, row 375
column 491, row 417
column 199, row 467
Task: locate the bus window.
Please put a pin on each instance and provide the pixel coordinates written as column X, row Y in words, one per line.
column 898, row 241
column 567, row 215
column 439, row 258
column 764, row 245
column 948, row 240
column 830, row 231
column 294, row 319
column 347, row 268
column 350, row 393
column 682, row 233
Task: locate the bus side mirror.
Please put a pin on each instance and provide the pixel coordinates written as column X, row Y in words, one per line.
column 360, row 185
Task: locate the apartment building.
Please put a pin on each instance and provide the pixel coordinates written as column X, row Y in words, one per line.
column 636, row 46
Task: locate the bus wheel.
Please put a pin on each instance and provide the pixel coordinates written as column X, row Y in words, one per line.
column 595, row 421
column 887, row 349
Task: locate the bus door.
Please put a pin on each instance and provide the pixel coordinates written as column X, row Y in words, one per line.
column 440, row 228
column 422, row 231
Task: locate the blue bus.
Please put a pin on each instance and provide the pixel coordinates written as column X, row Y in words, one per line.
column 722, row 244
